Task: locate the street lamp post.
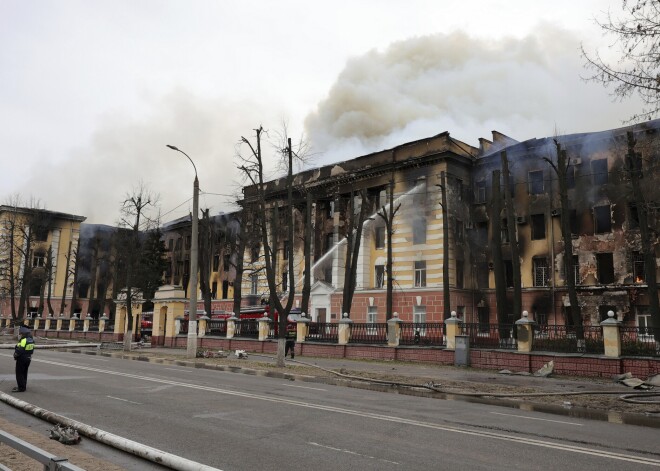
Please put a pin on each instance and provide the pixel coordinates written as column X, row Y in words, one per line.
column 192, row 311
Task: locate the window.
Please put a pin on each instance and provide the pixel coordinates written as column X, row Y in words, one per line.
column 39, row 259
column 538, row 226
column 379, row 276
column 644, row 323
column 381, row 198
column 459, row 189
column 576, row 270
column 459, row 230
column 481, row 192
column 178, row 244
column 541, row 318
column 504, row 231
column 419, row 314
column 639, row 270
column 216, row 262
column 35, row 287
column 420, row 274
column 482, row 317
column 327, row 275
column 379, row 236
column 602, row 219
column 329, row 241
column 226, row 262
column 254, row 283
column 41, row 234
column 481, row 231
column 459, row 274
column 214, row 290
column 419, row 194
column 508, row 273
column 482, row 275
column 573, row 222
column 285, row 250
column 225, row 289
column 285, row 280
column 570, row 178
column 599, row 171
column 633, row 216
column 535, row 182
column 419, row 230
column 605, row 267
column 188, row 240
column 372, row 314
column 170, row 245
column 254, row 253
column 329, row 209
column 540, row 267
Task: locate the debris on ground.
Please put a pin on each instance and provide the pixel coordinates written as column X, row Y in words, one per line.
column 546, row 370
column 65, row 435
column 242, row 354
column 211, row 354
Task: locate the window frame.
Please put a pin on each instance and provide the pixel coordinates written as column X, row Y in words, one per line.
column 419, row 274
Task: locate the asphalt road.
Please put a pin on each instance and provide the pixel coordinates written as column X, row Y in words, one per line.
column 240, row 422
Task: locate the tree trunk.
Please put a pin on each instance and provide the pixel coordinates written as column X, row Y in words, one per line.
column 445, row 248
column 307, row 253
column 513, row 241
column 496, row 250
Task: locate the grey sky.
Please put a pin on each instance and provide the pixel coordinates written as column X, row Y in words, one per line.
column 91, row 92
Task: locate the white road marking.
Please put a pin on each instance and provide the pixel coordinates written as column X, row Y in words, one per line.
column 177, row 369
column 343, row 450
column 124, row 400
column 303, row 387
column 536, row 418
column 523, row 440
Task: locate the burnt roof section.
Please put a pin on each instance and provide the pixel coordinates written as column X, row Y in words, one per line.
column 54, row 214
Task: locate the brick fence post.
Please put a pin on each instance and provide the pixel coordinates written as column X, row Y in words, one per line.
column 344, row 330
column 611, row 337
column 453, row 325
column 525, row 329
column 302, row 328
column 394, row 330
column 231, row 326
column 264, row 327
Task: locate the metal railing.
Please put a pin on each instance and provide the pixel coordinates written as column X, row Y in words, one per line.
column 373, row 333
column 93, row 325
column 484, row 335
column 247, row 328
column 563, row 339
column 640, row 341
column 50, row 461
column 425, row 333
column 217, row 327
column 79, row 325
column 326, row 332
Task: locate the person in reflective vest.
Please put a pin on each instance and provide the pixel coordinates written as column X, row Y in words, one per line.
column 290, row 340
column 23, row 356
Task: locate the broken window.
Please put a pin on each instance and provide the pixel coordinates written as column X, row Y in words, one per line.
column 538, row 226
column 35, row 287
column 285, row 280
column 226, row 262
column 254, row 283
column 602, row 219
column 254, row 253
column 541, row 272
column 480, row 192
column 459, row 230
column 214, row 290
column 536, row 182
column 379, row 236
column 216, row 262
column 633, row 216
column 482, row 275
column 285, row 250
column 481, row 231
column 420, row 274
column 504, row 229
column 576, row 270
column 379, row 276
column 570, row 178
column 39, row 259
column 419, row 230
column 599, row 171
column 225, row 289
column 482, row 316
column 639, row 269
column 459, row 274
column 573, row 222
column 508, row 273
column 605, row 267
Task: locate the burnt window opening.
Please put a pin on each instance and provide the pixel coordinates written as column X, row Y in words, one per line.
column 504, row 230
column 599, row 171
column 329, row 207
column 214, row 290
column 536, row 182
column 541, row 317
column 633, row 216
column 419, row 230
column 40, row 233
column 541, row 271
column 35, row 287
column 481, row 231
column 638, row 267
column 419, row 194
column 179, row 241
column 512, row 186
column 482, row 317
column 188, row 241
column 380, row 198
column 83, row 289
column 170, row 245
column 327, row 275
column 379, row 236
column 254, row 253
column 285, row 280
column 576, row 270
column 570, row 178
column 602, row 219
column 508, row 273
column 39, row 259
column 285, row 250
column 573, row 222
column 538, row 226
column 480, row 193
column 459, row 189
column 329, row 241
column 459, row 231
column 216, row 262
column 379, row 274
column 605, row 267
column 420, row 274
column 482, row 275
column 225, row 289
column 568, row 316
column 226, row 262
column 459, row 274
column 254, row 283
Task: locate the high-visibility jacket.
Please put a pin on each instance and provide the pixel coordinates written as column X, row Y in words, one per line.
column 24, row 348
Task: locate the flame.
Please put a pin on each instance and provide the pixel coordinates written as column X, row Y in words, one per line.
column 639, row 279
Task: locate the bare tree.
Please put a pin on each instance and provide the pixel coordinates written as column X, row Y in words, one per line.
column 387, row 214
column 636, row 37
column 496, row 250
column 513, row 242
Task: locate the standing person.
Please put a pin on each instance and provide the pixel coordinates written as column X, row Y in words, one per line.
column 290, row 340
column 23, row 356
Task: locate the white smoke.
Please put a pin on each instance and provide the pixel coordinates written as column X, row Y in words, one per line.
column 426, row 85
